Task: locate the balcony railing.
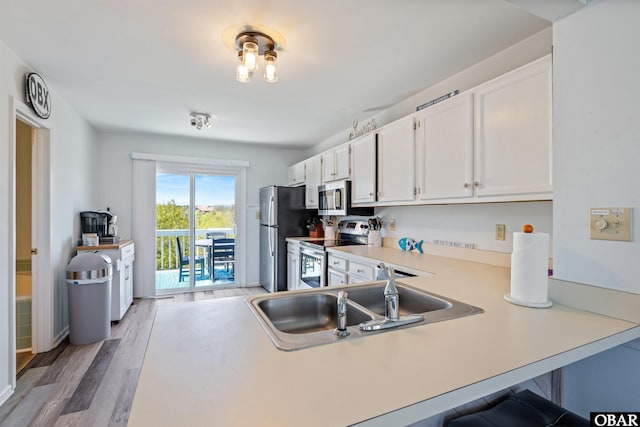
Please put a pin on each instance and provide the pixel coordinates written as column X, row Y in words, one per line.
column 167, row 257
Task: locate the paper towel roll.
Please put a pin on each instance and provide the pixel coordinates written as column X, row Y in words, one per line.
column 529, row 270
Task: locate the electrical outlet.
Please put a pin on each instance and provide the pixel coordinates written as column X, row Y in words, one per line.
column 258, row 214
column 501, row 231
column 392, row 224
column 610, row 224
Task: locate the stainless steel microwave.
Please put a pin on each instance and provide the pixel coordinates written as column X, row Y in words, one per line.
column 334, row 198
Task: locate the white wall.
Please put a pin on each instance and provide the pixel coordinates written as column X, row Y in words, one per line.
column 268, row 166
column 596, row 140
column 596, row 127
column 471, row 223
column 73, row 157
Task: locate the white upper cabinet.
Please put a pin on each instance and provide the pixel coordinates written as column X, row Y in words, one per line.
column 444, row 149
column 336, row 163
column 396, row 161
column 363, row 171
column 513, row 134
column 313, row 180
column 297, row 174
column 491, row 143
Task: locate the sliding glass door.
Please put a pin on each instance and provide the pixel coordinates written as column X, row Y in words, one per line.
column 195, row 229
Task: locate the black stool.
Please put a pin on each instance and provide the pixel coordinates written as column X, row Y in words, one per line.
column 524, row 409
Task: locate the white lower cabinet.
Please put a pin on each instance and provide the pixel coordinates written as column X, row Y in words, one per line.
column 336, row 277
column 344, row 269
column 293, row 265
column 122, row 256
column 361, row 272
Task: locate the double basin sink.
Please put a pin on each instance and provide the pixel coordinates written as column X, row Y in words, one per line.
column 300, row 319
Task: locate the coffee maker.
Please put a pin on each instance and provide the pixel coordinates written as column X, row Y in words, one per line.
column 102, row 223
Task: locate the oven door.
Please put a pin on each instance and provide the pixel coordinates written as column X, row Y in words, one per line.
column 311, row 266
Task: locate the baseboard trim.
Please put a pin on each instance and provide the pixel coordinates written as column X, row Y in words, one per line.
column 6, row 394
column 60, row 337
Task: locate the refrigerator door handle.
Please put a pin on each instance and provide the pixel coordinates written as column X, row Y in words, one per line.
column 271, row 245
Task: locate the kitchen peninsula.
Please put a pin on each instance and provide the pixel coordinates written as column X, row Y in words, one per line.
column 211, row 363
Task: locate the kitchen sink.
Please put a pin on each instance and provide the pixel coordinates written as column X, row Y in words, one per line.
column 412, row 301
column 301, row 319
column 312, row 312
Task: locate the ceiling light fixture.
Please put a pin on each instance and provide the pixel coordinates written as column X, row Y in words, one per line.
column 251, row 45
column 200, row 120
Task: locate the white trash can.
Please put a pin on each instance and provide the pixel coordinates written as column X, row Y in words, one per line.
column 89, row 290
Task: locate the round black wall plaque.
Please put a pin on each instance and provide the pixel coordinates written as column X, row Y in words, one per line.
column 38, row 95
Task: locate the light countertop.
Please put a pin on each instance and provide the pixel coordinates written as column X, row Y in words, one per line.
column 106, row 246
column 211, row 363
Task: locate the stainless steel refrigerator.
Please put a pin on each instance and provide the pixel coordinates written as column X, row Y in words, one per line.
column 282, row 214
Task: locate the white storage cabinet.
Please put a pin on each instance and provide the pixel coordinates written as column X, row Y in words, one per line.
column 336, row 163
column 297, row 174
column 344, row 269
column 363, row 170
column 122, row 256
column 313, row 179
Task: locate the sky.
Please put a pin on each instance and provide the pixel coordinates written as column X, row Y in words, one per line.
column 210, row 189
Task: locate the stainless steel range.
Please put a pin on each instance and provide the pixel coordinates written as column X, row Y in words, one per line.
column 313, row 265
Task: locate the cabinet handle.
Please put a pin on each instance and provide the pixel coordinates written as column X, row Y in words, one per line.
column 476, row 184
column 335, row 263
column 359, row 271
column 466, row 185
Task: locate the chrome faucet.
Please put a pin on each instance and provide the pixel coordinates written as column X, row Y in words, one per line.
column 341, row 330
column 391, row 298
column 391, row 306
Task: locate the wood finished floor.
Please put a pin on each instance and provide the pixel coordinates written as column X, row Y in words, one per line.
column 93, row 384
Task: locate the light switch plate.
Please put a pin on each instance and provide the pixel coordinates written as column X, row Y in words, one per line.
column 500, row 231
column 392, row 224
column 610, row 224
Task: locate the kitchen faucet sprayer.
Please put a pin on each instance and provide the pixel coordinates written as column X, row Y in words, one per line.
column 341, row 330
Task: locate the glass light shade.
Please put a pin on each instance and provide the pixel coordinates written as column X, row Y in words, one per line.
column 270, row 67
column 242, row 74
column 250, row 56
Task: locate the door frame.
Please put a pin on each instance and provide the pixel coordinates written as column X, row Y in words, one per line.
column 238, row 169
column 42, row 272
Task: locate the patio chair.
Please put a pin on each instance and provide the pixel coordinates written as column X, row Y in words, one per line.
column 224, row 252
column 184, row 262
column 215, row 234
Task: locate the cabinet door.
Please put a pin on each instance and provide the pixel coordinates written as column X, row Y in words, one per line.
column 129, row 283
column 292, row 270
column 513, row 132
column 297, row 174
column 363, row 185
column 313, row 166
column 342, row 162
column 396, row 181
column 335, row 277
column 444, row 149
column 328, row 168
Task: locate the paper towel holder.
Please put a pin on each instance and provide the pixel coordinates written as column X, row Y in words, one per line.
column 548, row 303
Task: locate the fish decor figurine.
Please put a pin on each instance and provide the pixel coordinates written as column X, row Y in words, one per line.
column 407, row 244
